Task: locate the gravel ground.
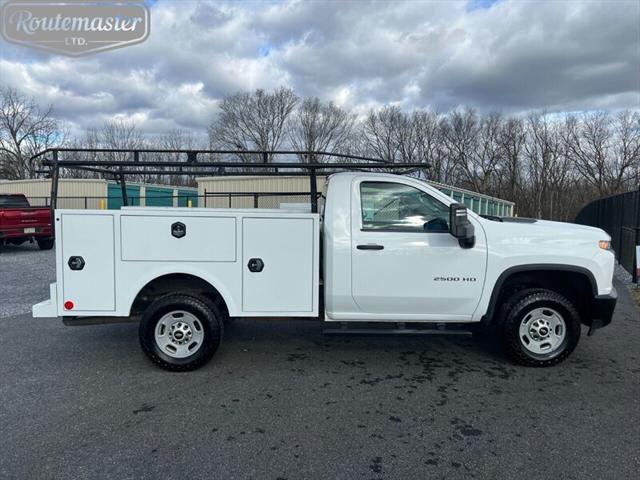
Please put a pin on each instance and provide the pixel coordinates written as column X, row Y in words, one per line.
column 624, row 278
column 280, row 400
column 26, row 272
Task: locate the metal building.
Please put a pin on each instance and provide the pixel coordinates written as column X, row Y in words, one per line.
column 258, row 192
column 96, row 194
column 213, row 192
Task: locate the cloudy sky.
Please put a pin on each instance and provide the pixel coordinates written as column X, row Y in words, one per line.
column 508, row 55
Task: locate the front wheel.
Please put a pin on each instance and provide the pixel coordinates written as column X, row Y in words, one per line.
column 180, row 332
column 540, row 327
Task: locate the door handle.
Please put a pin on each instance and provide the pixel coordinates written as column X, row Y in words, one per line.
column 370, row 246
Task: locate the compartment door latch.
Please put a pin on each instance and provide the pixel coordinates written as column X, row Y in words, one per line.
column 255, row 265
column 76, row 263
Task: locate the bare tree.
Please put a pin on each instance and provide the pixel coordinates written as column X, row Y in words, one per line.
column 323, row 127
column 484, row 164
column 120, row 134
column 626, row 150
column 587, row 142
column 605, row 150
column 429, row 144
column 510, row 179
column 25, row 129
column 545, row 154
column 396, row 136
column 175, row 139
column 627, row 134
column 90, row 140
column 380, row 133
column 253, row 121
column 460, row 134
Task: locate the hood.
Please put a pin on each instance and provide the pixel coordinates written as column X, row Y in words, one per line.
column 528, row 229
column 572, row 226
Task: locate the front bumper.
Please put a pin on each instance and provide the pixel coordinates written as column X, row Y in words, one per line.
column 602, row 311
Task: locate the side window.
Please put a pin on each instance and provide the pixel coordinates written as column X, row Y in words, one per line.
column 388, row 206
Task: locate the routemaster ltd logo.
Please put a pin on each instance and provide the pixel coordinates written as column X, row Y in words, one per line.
column 76, row 27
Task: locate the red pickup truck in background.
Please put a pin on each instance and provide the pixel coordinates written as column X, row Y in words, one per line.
column 20, row 222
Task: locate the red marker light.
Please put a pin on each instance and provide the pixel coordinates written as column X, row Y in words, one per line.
column 68, row 305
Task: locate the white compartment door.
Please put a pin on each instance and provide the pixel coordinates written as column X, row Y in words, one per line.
column 204, row 239
column 285, row 246
column 89, row 237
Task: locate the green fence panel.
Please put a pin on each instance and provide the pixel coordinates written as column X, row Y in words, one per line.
column 158, row 197
column 114, row 196
column 185, row 195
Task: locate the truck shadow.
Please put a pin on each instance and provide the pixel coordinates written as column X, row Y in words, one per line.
column 298, row 335
column 299, row 345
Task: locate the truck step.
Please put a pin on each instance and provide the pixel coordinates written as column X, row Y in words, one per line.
column 392, row 328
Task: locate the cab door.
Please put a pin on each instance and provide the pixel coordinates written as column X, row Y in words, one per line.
column 405, row 264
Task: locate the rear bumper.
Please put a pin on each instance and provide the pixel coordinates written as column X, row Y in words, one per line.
column 10, row 233
column 602, row 310
column 48, row 308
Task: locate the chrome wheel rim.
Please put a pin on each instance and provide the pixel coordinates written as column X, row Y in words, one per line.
column 179, row 334
column 542, row 331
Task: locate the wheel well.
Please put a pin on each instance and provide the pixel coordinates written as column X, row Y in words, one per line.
column 576, row 286
column 177, row 283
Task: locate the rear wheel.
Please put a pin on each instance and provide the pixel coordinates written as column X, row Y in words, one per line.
column 180, row 332
column 540, row 327
column 45, row 243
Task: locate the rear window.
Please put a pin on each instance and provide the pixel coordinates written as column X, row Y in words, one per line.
column 13, row 201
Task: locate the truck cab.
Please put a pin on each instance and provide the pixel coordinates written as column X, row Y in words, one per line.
column 392, row 254
column 394, row 250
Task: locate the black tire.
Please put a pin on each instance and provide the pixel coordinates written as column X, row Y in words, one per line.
column 515, row 311
column 45, row 243
column 208, row 316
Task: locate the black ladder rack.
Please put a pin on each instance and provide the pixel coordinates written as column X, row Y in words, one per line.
column 190, row 162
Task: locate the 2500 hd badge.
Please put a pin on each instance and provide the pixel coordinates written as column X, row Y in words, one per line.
column 455, row 279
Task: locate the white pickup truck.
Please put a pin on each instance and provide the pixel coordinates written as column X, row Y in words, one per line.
column 385, row 248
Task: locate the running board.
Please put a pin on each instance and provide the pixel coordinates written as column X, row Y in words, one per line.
column 83, row 321
column 379, row 328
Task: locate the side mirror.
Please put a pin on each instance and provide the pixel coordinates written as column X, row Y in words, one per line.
column 460, row 226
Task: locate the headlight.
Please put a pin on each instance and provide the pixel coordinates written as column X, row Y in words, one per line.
column 605, row 244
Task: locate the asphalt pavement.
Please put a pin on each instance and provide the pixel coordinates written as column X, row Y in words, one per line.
column 281, row 401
